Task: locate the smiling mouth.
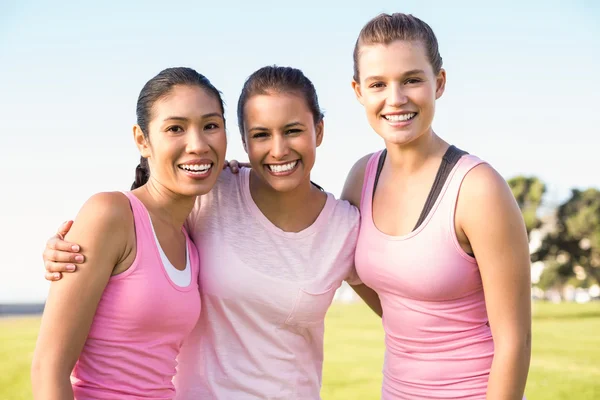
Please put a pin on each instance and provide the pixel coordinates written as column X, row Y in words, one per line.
column 196, row 169
column 282, row 168
column 399, row 117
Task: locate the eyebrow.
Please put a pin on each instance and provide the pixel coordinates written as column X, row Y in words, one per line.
column 262, row 128
column 210, row 115
column 381, row 78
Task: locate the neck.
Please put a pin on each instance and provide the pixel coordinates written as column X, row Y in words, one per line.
column 167, row 206
column 287, row 210
column 410, row 157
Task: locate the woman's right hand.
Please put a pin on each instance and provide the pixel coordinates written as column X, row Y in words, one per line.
column 61, row 256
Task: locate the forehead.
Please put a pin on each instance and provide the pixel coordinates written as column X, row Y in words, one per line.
column 394, row 58
column 276, row 109
column 187, row 101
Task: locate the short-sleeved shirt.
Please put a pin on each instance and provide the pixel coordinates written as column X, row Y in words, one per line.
column 265, row 293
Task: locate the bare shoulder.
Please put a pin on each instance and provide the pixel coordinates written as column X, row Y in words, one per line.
column 110, row 207
column 354, row 181
column 486, row 197
column 483, row 184
column 107, row 215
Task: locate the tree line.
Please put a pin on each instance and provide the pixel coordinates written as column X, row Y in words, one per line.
column 570, row 235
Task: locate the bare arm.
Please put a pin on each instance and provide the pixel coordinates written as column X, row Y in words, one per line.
column 72, row 302
column 491, row 220
column 352, row 192
column 369, row 296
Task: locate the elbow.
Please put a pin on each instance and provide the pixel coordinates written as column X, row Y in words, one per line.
column 517, row 344
column 36, row 372
column 47, row 372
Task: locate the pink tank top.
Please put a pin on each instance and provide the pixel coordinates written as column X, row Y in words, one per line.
column 139, row 326
column 438, row 341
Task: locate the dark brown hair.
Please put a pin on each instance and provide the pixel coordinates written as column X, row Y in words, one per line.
column 385, row 29
column 274, row 79
column 156, row 89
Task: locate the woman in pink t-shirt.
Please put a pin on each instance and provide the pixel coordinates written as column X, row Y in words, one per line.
column 442, row 240
column 273, row 247
column 113, row 330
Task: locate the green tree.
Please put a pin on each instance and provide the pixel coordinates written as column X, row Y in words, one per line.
column 528, row 191
column 576, row 239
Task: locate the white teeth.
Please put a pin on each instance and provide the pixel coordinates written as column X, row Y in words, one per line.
column 399, row 117
column 283, row 167
column 199, row 168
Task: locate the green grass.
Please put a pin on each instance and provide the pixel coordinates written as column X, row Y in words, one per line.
column 565, row 364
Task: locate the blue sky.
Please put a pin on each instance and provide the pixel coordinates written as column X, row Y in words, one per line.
column 522, row 93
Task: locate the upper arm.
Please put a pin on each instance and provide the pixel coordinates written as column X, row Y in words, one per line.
column 354, row 182
column 352, row 192
column 102, row 229
column 491, row 220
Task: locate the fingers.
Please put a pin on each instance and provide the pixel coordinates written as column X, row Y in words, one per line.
column 52, row 266
column 53, row 276
column 57, row 243
column 62, row 256
column 234, row 166
column 64, row 228
column 225, row 164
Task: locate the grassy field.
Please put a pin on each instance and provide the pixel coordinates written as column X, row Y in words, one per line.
column 565, row 363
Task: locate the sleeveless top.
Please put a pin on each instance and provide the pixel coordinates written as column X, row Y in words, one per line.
column 438, row 340
column 139, row 325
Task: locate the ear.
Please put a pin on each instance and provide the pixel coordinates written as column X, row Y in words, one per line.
column 357, row 91
column 319, row 130
column 440, row 84
column 141, row 142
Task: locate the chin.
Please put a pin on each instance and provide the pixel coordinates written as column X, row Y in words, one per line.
column 282, row 185
column 398, row 138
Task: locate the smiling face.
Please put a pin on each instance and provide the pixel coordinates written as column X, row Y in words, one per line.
column 398, row 88
column 186, row 141
column 281, row 139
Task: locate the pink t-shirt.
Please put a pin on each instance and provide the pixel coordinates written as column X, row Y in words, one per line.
column 265, row 293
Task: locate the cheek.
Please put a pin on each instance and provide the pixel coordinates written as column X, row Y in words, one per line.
column 373, row 103
column 219, row 144
column 255, row 152
column 425, row 97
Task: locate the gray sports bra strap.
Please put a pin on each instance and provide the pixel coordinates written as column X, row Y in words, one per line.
column 449, row 160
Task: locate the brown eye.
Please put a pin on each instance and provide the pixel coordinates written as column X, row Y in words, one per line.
column 211, row 126
column 175, row 129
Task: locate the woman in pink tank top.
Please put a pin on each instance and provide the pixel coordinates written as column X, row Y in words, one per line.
column 442, row 241
column 113, row 329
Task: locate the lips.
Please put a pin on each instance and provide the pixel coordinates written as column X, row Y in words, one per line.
column 402, row 117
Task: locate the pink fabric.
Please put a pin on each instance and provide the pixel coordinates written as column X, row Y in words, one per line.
column 438, row 342
column 265, row 293
column 139, row 326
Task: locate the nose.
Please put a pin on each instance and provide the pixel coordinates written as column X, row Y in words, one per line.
column 397, row 96
column 196, row 142
column 279, row 146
